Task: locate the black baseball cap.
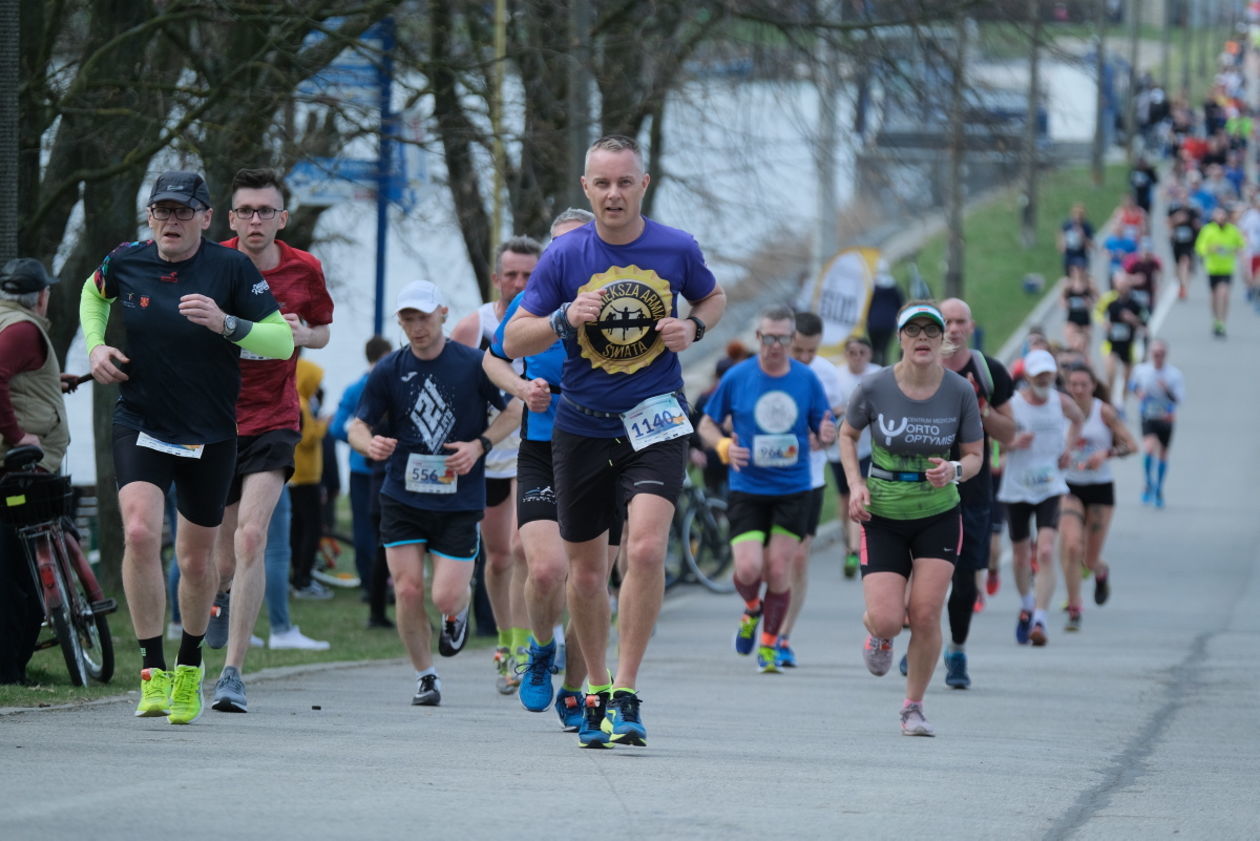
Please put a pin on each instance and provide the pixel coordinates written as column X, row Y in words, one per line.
column 187, row 188
column 23, row 275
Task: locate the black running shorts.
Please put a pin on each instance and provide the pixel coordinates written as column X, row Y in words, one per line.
column 450, row 534
column 1019, row 517
column 758, row 516
column 814, row 509
column 535, row 483
column 271, row 450
column 1161, row 429
column 497, row 491
column 893, row 545
column 201, row 484
column 589, row 472
column 1099, row 493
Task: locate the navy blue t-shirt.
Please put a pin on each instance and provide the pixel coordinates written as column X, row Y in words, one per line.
column 619, row 361
column 183, row 378
column 425, row 404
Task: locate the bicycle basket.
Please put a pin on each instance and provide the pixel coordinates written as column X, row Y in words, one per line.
column 30, row 498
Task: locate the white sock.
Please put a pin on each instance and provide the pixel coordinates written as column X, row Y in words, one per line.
column 953, row 648
column 1028, row 602
column 1039, row 617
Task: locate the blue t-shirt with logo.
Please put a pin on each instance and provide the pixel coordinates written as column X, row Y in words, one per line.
column 183, row 379
column 618, row 361
column 772, row 416
column 535, row 426
column 425, row 404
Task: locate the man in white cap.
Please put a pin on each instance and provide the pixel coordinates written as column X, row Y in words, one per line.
column 1047, row 423
column 423, row 412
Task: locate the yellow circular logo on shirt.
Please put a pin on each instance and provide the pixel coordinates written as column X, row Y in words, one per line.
column 624, row 338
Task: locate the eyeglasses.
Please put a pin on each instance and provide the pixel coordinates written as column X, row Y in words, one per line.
column 247, row 213
column 770, row 340
column 182, row 213
column 914, row 328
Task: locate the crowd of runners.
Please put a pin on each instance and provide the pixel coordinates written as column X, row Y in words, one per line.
column 550, row 430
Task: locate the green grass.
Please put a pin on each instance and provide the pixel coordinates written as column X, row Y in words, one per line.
column 339, row 620
column 995, row 261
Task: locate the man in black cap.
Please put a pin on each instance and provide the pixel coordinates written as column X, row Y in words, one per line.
column 31, row 412
column 190, row 306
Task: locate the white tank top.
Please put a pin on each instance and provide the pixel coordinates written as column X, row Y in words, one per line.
column 1095, row 437
column 1032, row 475
column 501, row 460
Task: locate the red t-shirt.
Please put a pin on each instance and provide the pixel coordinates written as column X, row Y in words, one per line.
column 21, row 349
column 269, row 398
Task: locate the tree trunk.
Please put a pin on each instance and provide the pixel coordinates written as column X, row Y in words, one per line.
column 10, row 32
column 1029, row 221
column 1130, row 106
column 957, row 152
column 1100, row 109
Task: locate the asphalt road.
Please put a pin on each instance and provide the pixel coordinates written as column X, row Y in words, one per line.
column 1141, row 726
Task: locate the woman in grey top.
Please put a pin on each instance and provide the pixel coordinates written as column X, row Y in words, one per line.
column 917, row 410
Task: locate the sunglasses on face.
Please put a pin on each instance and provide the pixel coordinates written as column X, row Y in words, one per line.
column 770, row 340
column 914, row 328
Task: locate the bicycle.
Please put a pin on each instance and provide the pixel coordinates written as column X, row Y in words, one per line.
column 40, row 506
column 699, row 543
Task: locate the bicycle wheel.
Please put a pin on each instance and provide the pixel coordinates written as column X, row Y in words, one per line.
column 60, row 610
column 334, row 562
column 707, row 545
column 88, row 610
column 675, row 555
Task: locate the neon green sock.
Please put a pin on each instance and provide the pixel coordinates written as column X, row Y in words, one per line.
column 595, row 690
column 520, row 638
column 567, row 688
column 542, row 643
column 505, row 638
column 623, row 689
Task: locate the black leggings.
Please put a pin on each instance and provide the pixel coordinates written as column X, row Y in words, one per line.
column 305, row 528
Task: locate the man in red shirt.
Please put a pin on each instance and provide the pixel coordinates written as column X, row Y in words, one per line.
column 267, row 418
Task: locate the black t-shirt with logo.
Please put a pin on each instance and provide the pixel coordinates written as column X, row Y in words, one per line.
column 183, row 377
column 1120, row 331
column 978, row 490
column 1183, row 223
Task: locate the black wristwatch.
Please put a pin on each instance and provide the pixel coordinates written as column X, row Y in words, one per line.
column 700, row 328
column 486, row 446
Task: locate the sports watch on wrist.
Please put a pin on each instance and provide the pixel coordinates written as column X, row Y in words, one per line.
column 700, row 328
column 486, row 446
column 229, row 325
column 957, row 471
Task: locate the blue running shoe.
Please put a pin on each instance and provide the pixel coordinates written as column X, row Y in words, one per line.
column 956, row 670
column 904, row 666
column 569, row 708
column 535, row 691
column 1023, row 626
column 1148, row 495
column 767, row 661
column 784, row 655
column 1159, row 498
column 623, row 719
column 745, row 637
column 594, row 716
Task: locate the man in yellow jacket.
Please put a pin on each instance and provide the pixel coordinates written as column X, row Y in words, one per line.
column 1219, row 243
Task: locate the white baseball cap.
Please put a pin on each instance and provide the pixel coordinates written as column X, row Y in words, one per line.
column 1039, row 362
column 419, row 295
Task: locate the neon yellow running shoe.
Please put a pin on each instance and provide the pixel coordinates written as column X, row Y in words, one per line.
column 155, row 693
column 186, row 704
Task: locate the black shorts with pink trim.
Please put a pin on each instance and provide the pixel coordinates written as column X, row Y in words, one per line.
column 893, row 545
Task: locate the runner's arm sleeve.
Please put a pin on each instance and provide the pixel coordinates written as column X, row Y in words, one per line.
column 93, row 313
column 272, row 337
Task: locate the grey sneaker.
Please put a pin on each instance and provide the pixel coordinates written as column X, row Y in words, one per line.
column 229, row 692
column 913, row 723
column 217, row 630
column 313, row 591
column 428, row 692
column 877, row 654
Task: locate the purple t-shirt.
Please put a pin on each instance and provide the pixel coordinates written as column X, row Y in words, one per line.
column 618, row 361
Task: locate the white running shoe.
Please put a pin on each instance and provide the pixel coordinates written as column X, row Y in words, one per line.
column 295, row 639
column 174, row 631
column 913, row 722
